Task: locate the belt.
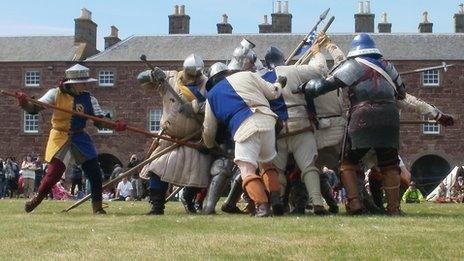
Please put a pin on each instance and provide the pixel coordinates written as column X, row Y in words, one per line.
column 363, row 103
column 329, row 117
column 294, row 133
column 70, row 132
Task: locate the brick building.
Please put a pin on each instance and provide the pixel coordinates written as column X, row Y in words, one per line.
column 34, row 64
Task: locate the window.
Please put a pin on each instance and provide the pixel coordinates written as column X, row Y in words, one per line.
column 32, row 79
column 155, row 119
column 431, row 78
column 31, row 123
column 106, row 78
column 105, row 112
column 430, row 128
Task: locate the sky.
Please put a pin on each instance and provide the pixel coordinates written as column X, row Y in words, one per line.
column 143, row 17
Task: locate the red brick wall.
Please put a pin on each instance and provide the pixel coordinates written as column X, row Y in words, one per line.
column 132, row 104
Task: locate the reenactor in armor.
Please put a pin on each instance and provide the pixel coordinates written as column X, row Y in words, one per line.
column 68, row 141
column 240, row 101
column 374, row 87
column 183, row 108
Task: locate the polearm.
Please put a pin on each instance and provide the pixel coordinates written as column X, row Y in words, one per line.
column 105, row 121
column 169, row 88
column 321, row 18
column 131, row 171
column 418, row 122
column 306, row 56
column 443, row 66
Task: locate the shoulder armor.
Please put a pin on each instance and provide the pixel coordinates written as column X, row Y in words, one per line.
column 348, row 72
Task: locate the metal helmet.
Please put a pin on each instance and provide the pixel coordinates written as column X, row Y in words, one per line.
column 363, row 44
column 235, row 65
column 274, row 57
column 193, row 64
column 217, row 68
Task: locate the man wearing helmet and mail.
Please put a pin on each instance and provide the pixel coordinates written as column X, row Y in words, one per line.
column 182, row 117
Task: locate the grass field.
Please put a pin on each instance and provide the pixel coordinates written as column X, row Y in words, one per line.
column 429, row 231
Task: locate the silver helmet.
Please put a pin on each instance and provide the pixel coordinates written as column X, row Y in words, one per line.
column 193, row 64
column 217, row 68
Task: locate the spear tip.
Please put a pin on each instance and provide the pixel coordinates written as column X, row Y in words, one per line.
column 324, row 14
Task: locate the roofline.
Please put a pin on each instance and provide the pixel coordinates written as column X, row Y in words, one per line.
column 109, row 49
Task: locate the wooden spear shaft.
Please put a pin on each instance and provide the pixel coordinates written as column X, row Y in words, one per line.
column 106, row 121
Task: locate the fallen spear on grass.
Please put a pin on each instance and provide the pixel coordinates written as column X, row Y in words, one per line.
column 132, row 170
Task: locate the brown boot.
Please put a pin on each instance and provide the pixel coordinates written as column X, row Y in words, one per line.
column 98, row 208
column 270, row 178
column 33, row 203
column 254, row 187
column 391, row 185
column 349, row 180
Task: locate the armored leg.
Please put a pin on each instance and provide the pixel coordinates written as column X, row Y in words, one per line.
column 230, row 205
column 214, row 190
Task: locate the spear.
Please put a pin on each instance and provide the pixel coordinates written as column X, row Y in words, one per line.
column 306, row 56
column 106, row 121
column 321, row 18
column 443, row 66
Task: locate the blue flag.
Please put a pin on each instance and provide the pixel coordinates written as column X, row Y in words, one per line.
column 307, row 44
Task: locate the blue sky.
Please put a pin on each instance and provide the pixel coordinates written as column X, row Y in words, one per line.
column 143, row 17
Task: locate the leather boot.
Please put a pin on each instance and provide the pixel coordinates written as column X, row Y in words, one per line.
column 97, row 208
column 157, row 201
column 262, row 210
column 187, row 199
column 320, row 210
column 349, row 179
column 391, row 185
column 270, row 178
column 254, row 186
column 33, row 203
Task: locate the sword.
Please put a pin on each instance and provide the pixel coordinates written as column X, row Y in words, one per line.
column 321, row 18
column 443, row 66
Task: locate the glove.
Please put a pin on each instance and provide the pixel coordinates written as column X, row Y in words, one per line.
column 322, row 39
column 445, row 119
column 158, row 76
column 282, row 80
column 187, row 109
column 120, row 126
column 309, row 88
column 22, row 98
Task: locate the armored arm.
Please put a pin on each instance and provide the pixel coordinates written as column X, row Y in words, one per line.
column 396, row 77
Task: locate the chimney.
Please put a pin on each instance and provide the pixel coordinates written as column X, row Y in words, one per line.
column 281, row 18
column 179, row 22
column 364, row 19
column 384, row 26
column 85, row 30
column 224, row 27
column 113, row 38
column 425, row 26
column 265, row 27
column 459, row 20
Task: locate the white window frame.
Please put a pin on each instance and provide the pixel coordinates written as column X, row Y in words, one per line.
column 37, row 78
column 428, row 84
column 107, row 131
column 155, row 116
column 28, row 119
column 106, row 74
column 432, row 129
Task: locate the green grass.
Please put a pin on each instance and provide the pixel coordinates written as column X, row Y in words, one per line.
column 429, row 231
